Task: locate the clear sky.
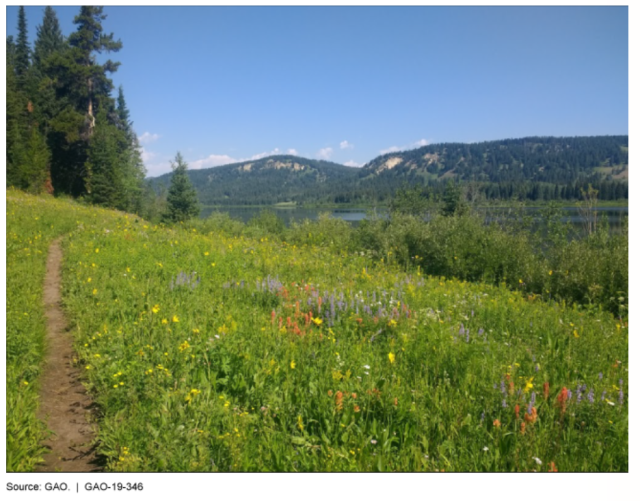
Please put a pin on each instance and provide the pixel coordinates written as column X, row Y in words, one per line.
column 224, row 84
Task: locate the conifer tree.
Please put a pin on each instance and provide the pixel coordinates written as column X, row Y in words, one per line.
column 133, row 169
column 104, row 174
column 83, row 88
column 182, row 200
column 49, row 38
column 22, row 48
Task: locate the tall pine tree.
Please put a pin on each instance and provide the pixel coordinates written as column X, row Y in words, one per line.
column 84, row 88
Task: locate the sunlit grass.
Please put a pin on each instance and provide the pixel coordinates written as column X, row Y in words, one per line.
column 217, row 353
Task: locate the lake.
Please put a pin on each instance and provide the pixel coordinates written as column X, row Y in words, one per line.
column 571, row 215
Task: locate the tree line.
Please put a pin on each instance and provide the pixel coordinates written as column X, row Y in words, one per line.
column 66, row 133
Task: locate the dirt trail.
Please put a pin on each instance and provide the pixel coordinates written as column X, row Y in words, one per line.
column 64, row 403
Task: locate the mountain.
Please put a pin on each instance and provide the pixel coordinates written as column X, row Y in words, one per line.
column 559, row 160
column 269, row 180
column 529, row 168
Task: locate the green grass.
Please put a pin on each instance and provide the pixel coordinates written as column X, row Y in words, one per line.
column 208, row 352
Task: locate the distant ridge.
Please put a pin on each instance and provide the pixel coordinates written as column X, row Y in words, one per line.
column 548, row 161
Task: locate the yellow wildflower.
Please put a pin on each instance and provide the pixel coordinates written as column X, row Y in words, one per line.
column 156, row 308
column 392, row 358
column 175, row 319
column 292, row 364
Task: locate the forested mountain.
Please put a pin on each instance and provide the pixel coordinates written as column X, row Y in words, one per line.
column 270, row 180
column 559, row 160
column 534, row 168
column 66, row 133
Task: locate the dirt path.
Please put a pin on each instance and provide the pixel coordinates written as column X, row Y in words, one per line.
column 64, row 404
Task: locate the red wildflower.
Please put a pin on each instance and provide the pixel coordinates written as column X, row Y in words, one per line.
column 339, row 396
column 562, row 399
column 545, row 388
column 496, row 423
column 523, row 427
column 517, row 411
column 552, row 467
column 531, row 418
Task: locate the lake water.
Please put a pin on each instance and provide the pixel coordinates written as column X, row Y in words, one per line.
column 571, row 215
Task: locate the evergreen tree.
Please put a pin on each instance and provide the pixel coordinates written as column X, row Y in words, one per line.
column 131, row 157
column 82, row 88
column 90, row 79
column 49, row 39
column 22, row 48
column 453, row 204
column 182, row 200
column 105, row 183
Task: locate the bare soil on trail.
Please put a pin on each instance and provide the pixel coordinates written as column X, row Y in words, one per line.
column 65, row 405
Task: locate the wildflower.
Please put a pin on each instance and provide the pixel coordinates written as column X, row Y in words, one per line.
column 550, row 272
column 366, row 367
column 395, row 401
column 175, row 319
column 517, row 411
column 155, row 309
column 356, row 408
column 504, row 404
column 562, row 399
column 330, row 393
column 496, row 423
column 485, row 448
column 523, row 427
column 354, row 396
column 545, row 388
column 339, row 396
column 165, row 321
column 374, row 442
column 392, row 358
column 552, row 467
column 590, row 396
column 575, row 333
column 537, row 460
column 292, row 364
column 300, row 424
column 531, row 415
column 95, row 291
column 529, row 385
column 26, row 383
column 317, row 321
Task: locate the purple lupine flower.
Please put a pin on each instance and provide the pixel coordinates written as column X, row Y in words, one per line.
column 579, row 394
column 461, row 331
column 529, row 408
column 590, row 396
column 603, row 394
column 480, row 331
column 569, row 394
column 502, row 387
column 467, row 335
column 533, row 398
column 537, row 367
column 472, row 313
column 600, row 376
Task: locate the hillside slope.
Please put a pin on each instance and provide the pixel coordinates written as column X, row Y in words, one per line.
column 550, row 161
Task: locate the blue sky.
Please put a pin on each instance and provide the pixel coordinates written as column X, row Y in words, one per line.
column 224, row 84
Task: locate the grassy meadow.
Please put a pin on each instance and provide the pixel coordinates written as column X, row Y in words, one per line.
column 210, row 351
